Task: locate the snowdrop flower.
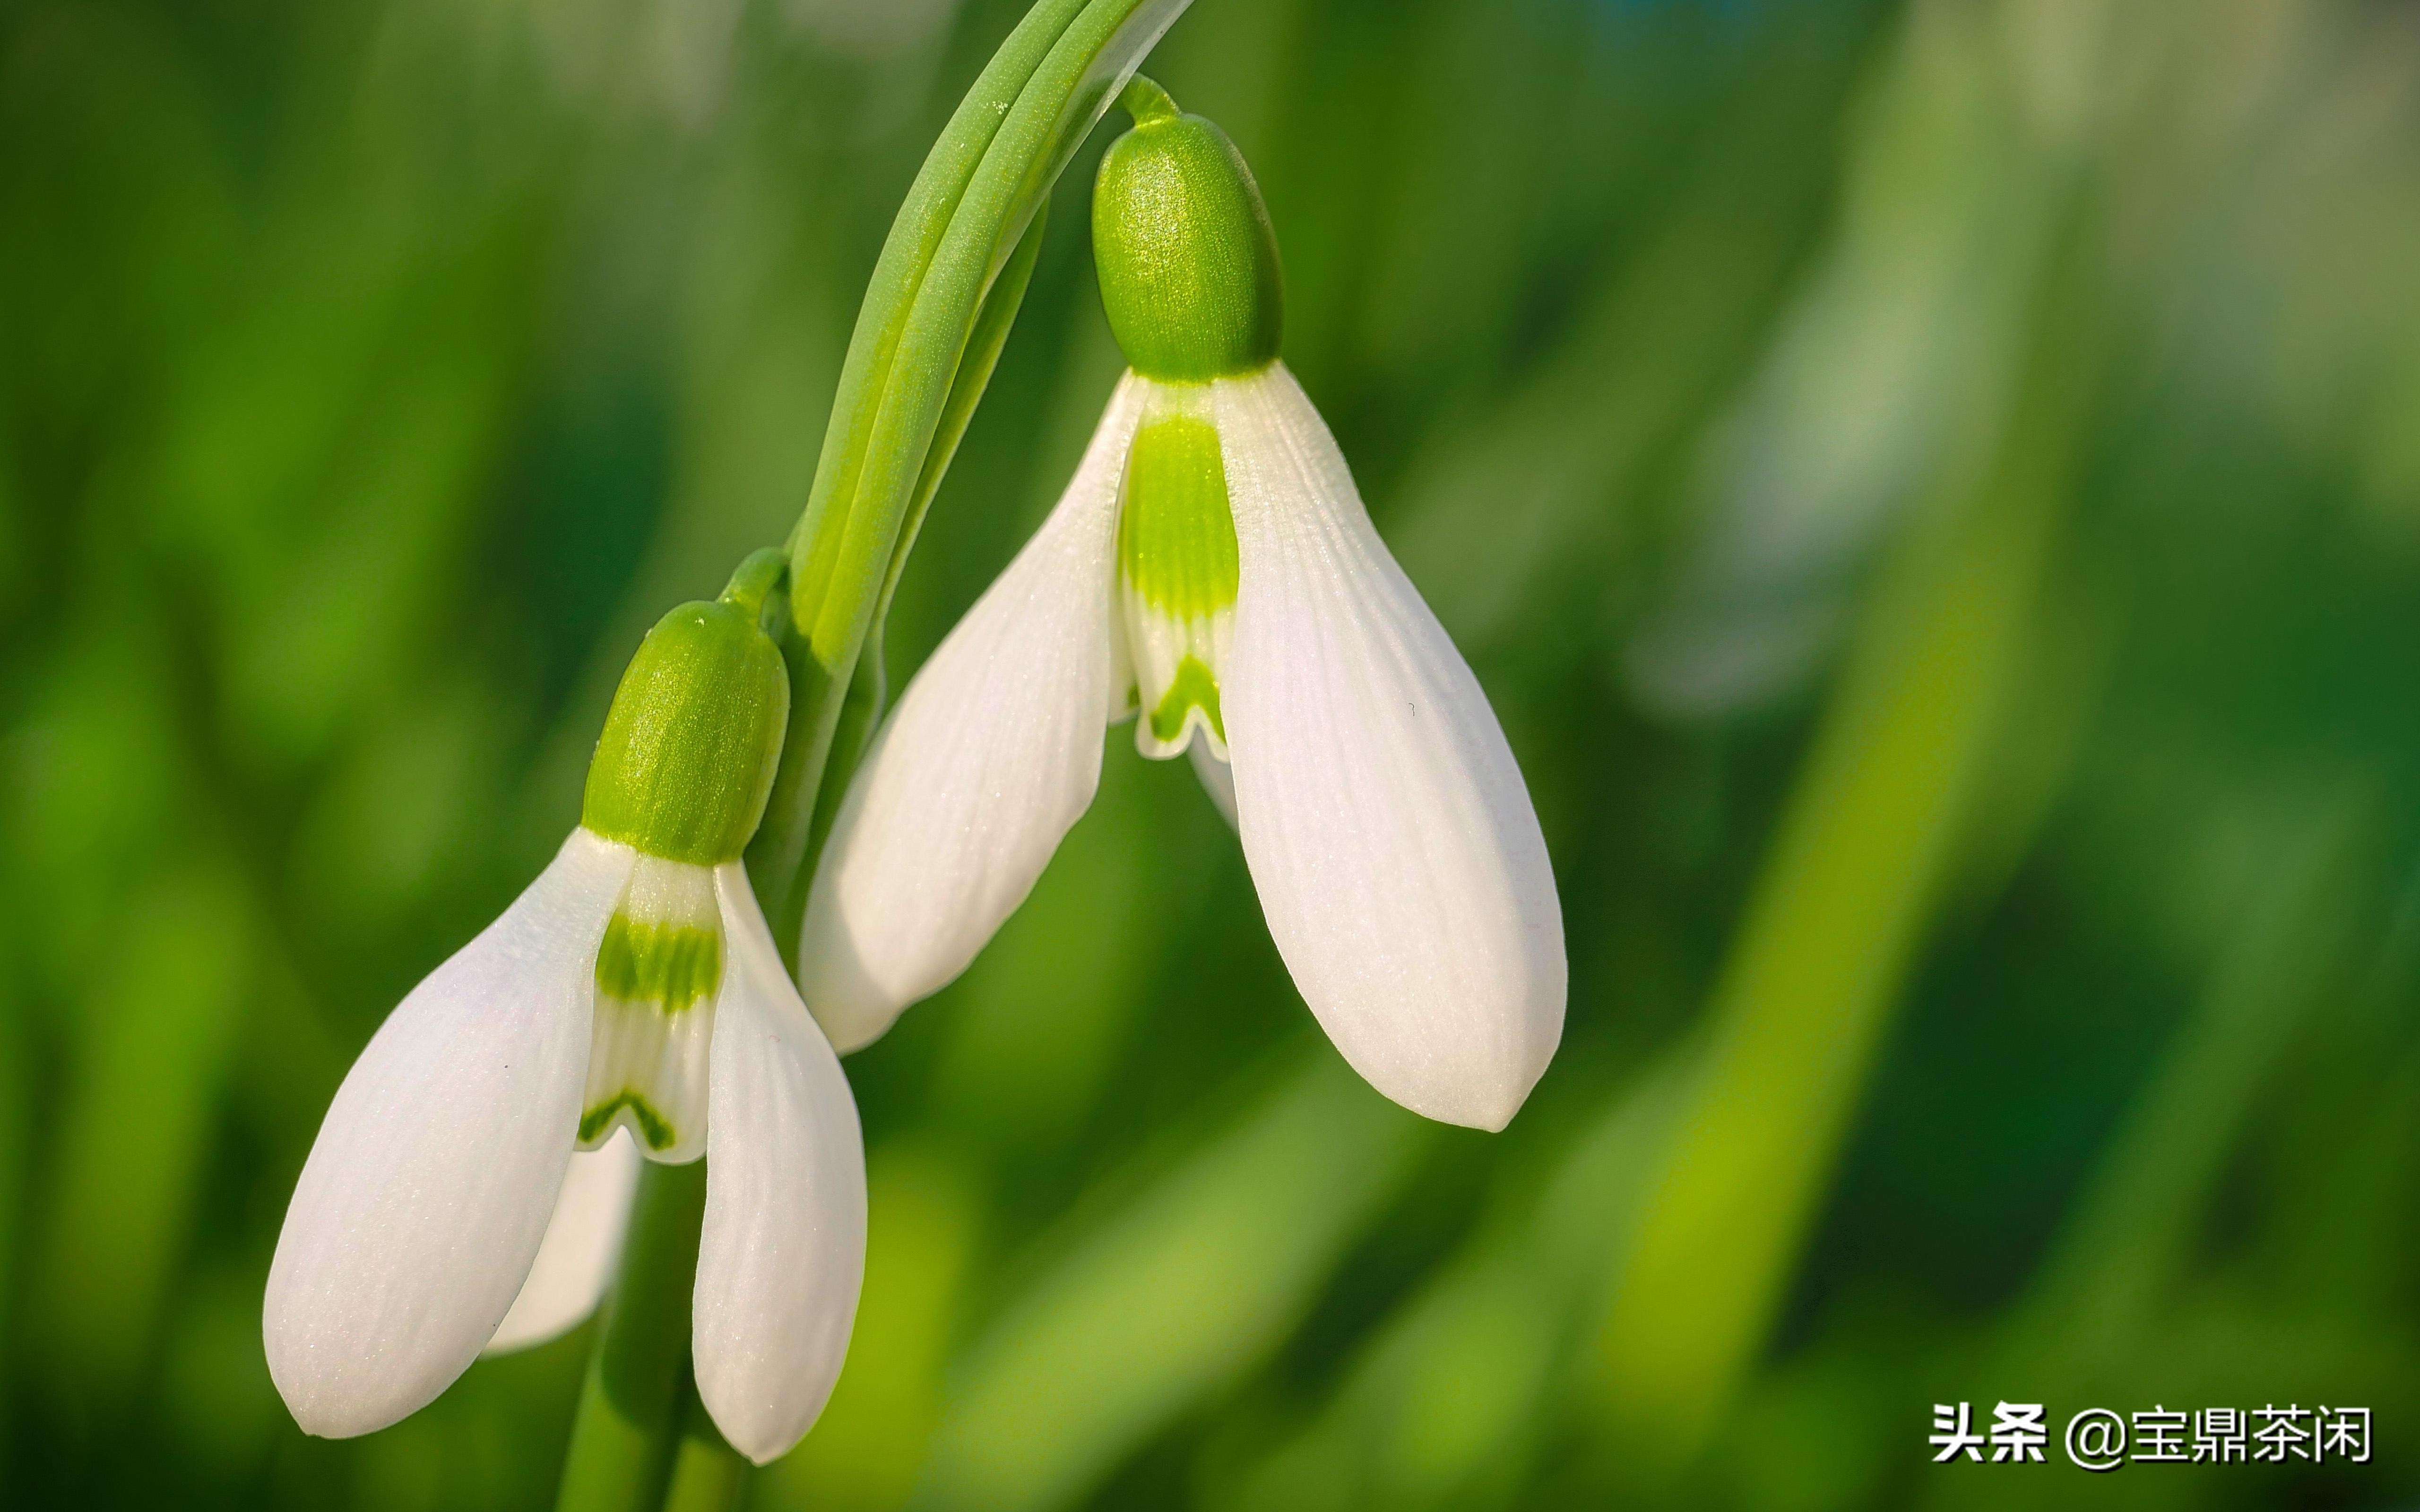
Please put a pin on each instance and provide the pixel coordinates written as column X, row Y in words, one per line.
column 1212, row 571
column 631, row 997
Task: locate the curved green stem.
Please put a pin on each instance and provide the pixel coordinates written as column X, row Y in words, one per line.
column 910, row 367
column 1145, row 101
column 753, row 581
column 627, row 1429
column 861, row 703
column 983, row 347
column 836, row 569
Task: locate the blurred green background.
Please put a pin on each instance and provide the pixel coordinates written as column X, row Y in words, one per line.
column 1931, row 488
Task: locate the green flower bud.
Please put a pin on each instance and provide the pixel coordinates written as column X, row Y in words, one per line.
column 687, row 759
column 1188, row 265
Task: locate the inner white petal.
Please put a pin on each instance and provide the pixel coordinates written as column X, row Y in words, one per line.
column 582, row 1241
column 1218, row 780
column 1177, row 667
column 657, row 974
column 1178, row 572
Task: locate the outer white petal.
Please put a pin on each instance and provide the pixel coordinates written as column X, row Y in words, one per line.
column 426, row 1196
column 782, row 1252
column 994, row 751
column 583, row 1240
column 1390, row 834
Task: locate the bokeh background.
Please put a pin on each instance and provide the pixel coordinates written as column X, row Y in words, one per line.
column 1931, row 488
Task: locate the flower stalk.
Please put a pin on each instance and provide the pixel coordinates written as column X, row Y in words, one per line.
column 943, row 295
column 862, row 703
column 951, row 250
column 623, row 1438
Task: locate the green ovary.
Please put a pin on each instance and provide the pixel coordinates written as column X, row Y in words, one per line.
column 1176, row 536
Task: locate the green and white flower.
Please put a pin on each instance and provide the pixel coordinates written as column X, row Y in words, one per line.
column 1212, row 570
column 631, row 997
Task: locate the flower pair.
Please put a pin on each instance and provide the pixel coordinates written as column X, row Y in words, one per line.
column 631, row 993
column 1211, row 571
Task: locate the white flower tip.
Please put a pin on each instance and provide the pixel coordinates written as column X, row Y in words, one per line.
column 1448, row 1077
column 325, row 1421
column 764, row 1432
column 839, row 985
column 782, row 1254
column 329, row 1404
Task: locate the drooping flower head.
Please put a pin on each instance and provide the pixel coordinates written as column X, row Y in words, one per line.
column 632, row 995
column 1212, row 571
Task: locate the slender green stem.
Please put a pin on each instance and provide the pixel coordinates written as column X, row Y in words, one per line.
column 955, row 238
column 836, row 579
column 983, row 347
column 862, row 705
column 1859, row 869
column 625, row 1435
column 1145, row 100
column 778, row 856
column 753, row 581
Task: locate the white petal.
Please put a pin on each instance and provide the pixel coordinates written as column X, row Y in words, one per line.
column 994, row 751
column 428, row 1189
column 782, row 1252
column 1390, row 837
column 583, row 1240
column 1218, row 779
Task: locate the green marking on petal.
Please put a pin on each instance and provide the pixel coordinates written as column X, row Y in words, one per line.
column 1177, row 535
column 670, row 965
column 652, row 1127
column 1193, row 688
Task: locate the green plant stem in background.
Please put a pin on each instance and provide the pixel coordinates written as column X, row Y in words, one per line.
column 2094, row 1321
column 709, row 1475
column 1174, row 1298
column 629, row 1429
column 1853, row 881
column 978, row 193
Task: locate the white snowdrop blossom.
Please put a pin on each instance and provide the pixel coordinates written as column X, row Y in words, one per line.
column 1211, row 570
column 630, row 1002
